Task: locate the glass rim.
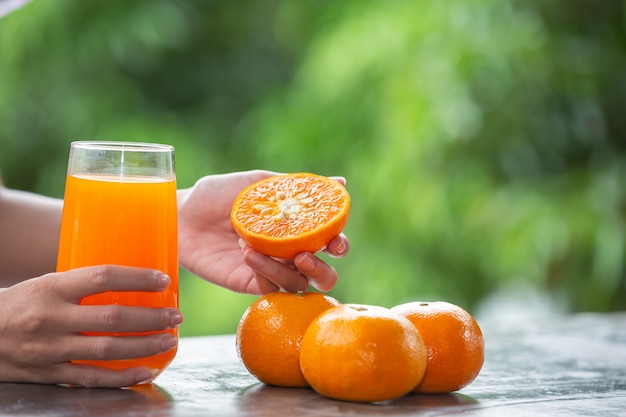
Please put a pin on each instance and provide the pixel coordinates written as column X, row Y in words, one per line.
column 122, row 146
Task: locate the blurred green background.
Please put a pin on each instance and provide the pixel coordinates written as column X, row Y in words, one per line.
column 483, row 141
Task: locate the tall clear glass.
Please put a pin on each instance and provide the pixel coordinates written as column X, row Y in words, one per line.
column 120, row 208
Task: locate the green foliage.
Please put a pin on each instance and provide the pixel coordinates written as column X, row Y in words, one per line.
column 482, row 141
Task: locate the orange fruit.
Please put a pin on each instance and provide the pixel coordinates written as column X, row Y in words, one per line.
column 287, row 214
column 270, row 331
column 454, row 343
column 362, row 353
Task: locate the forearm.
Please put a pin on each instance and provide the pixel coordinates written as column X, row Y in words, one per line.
column 29, row 235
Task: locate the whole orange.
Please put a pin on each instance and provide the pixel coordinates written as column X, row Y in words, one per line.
column 286, row 214
column 270, row 332
column 362, row 353
column 454, row 342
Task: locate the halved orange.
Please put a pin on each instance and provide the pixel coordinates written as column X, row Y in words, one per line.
column 284, row 215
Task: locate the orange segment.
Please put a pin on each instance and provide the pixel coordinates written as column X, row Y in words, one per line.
column 287, row 214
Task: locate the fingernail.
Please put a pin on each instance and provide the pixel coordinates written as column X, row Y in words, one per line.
column 144, row 377
column 168, row 342
column 176, row 318
column 163, row 281
column 340, row 248
column 306, row 262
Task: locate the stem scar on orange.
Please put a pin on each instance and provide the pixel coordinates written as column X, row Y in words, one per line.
column 454, row 342
column 362, row 353
column 284, row 215
column 270, row 332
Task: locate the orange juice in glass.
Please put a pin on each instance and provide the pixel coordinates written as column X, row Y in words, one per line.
column 120, row 208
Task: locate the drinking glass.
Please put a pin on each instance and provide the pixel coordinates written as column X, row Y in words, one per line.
column 120, row 208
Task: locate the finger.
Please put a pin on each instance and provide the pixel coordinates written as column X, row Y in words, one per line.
column 96, row 377
column 321, row 275
column 83, row 347
column 78, row 283
column 274, row 271
column 338, row 247
column 118, row 318
column 261, row 285
column 252, row 282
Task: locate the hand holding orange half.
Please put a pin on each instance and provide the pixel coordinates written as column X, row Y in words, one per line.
column 287, row 214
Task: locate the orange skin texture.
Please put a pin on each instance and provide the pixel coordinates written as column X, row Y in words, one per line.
column 287, row 214
column 270, row 332
column 454, row 342
column 362, row 353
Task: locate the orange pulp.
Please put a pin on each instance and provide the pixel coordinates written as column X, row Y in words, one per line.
column 284, row 215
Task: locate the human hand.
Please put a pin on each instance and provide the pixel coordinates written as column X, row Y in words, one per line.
column 210, row 248
column 41, row 321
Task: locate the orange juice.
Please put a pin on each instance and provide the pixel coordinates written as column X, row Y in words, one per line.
column 128, row 221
